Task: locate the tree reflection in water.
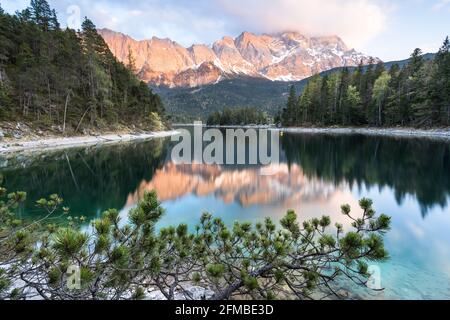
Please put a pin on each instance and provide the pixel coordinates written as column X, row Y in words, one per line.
column 98, row 178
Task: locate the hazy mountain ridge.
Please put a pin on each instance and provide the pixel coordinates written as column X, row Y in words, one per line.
column 288, row 56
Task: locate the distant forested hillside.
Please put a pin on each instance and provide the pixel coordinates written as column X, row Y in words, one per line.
column 51, row 77
column 187, row 104
column 416, row 93
column 236, row 117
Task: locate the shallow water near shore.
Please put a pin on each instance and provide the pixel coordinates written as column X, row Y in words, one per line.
column 408, row 179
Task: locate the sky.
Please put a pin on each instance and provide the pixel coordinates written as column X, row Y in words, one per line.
column 390, row 30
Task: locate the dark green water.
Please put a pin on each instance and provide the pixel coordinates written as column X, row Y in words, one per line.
column 409, row 179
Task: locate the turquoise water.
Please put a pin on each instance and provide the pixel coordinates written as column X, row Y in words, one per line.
column 408, row 179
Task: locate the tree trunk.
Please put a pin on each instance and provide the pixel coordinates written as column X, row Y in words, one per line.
column 226, row 294
column 82, row 118
column 379, row 114
column 448, row 115
column 65, row 111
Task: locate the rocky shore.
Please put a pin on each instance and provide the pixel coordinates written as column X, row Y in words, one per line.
column 21, row 138
column 392, row 132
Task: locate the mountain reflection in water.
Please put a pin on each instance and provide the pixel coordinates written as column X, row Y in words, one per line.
column 408, row 179
column 247, row 187
column 311, row 166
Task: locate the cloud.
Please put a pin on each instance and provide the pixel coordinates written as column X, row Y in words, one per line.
column 184, row 21
column 441, row 4
column 356, row 21
column 204, row 21
column 12, row 5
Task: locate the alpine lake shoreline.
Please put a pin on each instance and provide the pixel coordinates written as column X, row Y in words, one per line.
column 25, row 140
column 38, row 142
column 402, row 132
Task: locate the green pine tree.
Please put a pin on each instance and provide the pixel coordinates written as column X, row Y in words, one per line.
column 67, row 79
column 289, row 113
column 441, row 84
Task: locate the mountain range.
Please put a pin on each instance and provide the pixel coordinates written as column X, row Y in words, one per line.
column 288, row 56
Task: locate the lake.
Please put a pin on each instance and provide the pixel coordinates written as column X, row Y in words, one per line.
column 407, row 178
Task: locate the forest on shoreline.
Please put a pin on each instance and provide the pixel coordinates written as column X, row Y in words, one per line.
column 68, row 80
column 240, row 116
column 415, row 95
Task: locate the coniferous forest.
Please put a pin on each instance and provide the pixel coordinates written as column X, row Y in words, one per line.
column 417, row 95
column 66, row 78
column 240, row 116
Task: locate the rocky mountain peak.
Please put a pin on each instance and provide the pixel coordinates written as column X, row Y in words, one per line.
column 286, row 56
column 246, row 38
column 226, row 41
column 201, row 54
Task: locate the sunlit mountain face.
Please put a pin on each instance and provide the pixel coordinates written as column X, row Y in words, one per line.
column 288, row 56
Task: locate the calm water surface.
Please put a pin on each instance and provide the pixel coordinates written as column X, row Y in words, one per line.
column 408, row 179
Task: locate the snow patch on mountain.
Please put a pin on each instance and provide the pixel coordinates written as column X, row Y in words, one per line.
column 288, row 56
